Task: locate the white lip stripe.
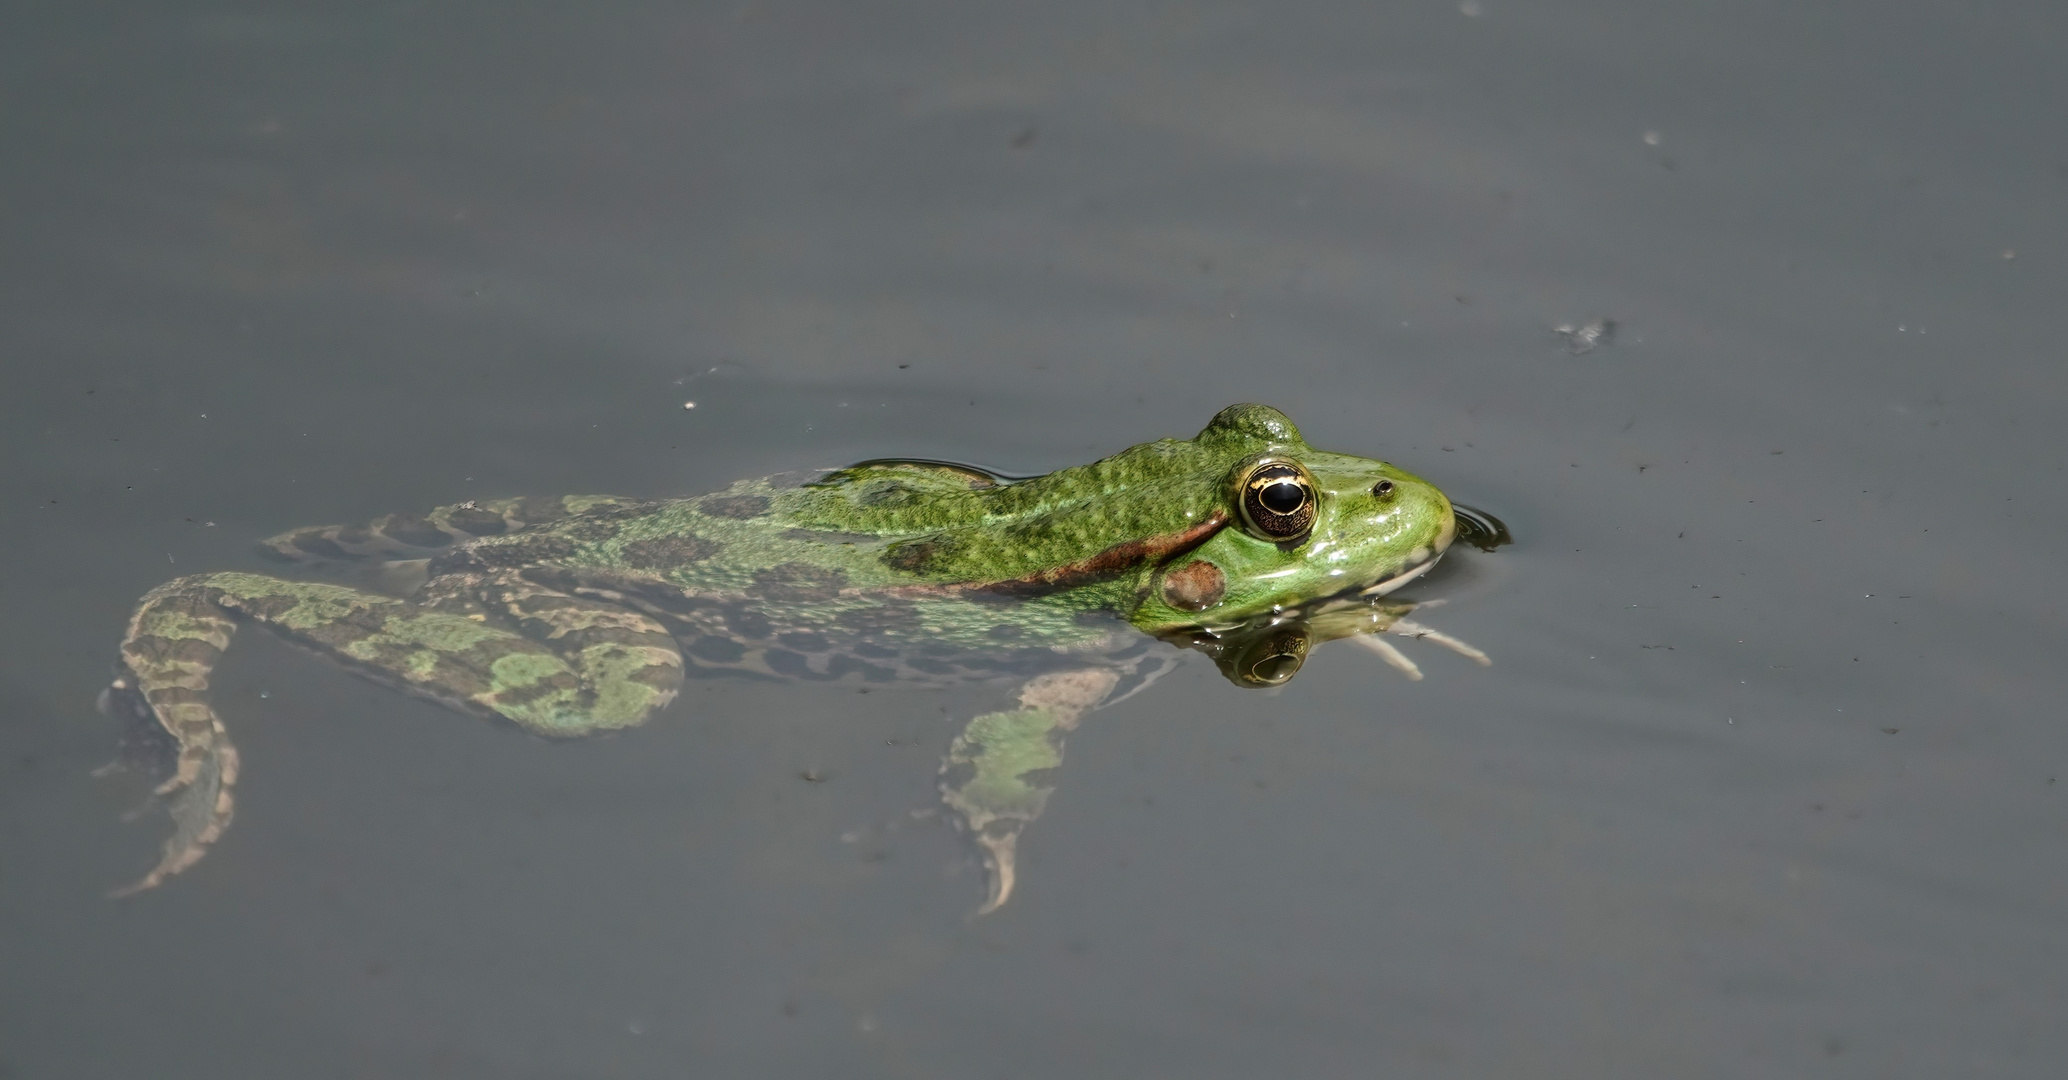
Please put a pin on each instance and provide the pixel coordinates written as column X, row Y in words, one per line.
column 1397, row 580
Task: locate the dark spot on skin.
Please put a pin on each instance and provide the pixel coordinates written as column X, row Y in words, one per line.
column 539, row 603
column 785, row 662
column 804, row 641
column 558, row 683
column 589, row 532
column 666, row 552
column 478, row 522
column 718, row 650
column 415, row 531
column 887, row 493
column 842, row 665
column 748, row 623
column 529, row 551
column 796, row 582
column 461, row 560
column 740, row 507
column 1195, row 586
column 534, row 509
column 315, row 543
column 917, row 556
column 186, row 650
column 266, row 608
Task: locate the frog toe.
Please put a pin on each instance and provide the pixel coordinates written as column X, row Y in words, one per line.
column 1392, row 656
column 1411, row 629
column 999, row 854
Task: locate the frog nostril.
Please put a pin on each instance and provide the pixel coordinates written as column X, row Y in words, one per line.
column 1383, row 489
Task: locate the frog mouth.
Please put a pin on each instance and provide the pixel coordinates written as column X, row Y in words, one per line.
column 1386, row 585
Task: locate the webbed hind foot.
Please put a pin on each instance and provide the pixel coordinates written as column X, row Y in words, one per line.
column 999, row 772
column 197, row 794
column 556, row 665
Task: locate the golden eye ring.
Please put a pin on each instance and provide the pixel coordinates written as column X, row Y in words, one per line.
column 1277, row 500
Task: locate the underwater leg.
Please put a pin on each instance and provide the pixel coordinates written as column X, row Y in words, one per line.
column 998, row 773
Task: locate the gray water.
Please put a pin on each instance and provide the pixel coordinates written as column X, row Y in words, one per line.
column 1761, row 783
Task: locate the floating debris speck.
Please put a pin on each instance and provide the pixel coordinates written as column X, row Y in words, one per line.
column 1584, row 338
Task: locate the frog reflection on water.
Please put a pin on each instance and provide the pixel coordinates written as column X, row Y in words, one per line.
column 571, row 616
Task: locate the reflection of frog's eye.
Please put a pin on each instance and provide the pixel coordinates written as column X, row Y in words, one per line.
column 1271, row 659
column 1274, row 669
column 1383, row 489
column 1277, row 501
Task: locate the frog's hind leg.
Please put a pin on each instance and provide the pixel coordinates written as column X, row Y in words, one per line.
column 1000, row 771
column 173, row 643
column 415, row 536
column 577, row 667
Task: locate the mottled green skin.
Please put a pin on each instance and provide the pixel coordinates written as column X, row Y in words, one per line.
column 572, row 615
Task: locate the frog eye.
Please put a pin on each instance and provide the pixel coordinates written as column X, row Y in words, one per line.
column 1277, row 501
column 1383, row 489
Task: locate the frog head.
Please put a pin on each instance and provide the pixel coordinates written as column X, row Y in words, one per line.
column 1303, row 526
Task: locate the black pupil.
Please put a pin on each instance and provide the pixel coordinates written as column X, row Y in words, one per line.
column 1383, row 487
column 1282, row 497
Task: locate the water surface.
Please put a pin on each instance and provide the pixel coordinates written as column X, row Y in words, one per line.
column 1762, row 780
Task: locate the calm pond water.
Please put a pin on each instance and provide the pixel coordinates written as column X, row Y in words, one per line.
column 1762, row 780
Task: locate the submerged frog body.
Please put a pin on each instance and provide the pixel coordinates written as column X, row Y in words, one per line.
column 575, row 615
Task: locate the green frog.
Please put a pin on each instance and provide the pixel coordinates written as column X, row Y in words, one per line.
column 577, row 615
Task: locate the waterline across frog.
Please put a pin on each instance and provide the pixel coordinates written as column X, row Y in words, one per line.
column 571, row 616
